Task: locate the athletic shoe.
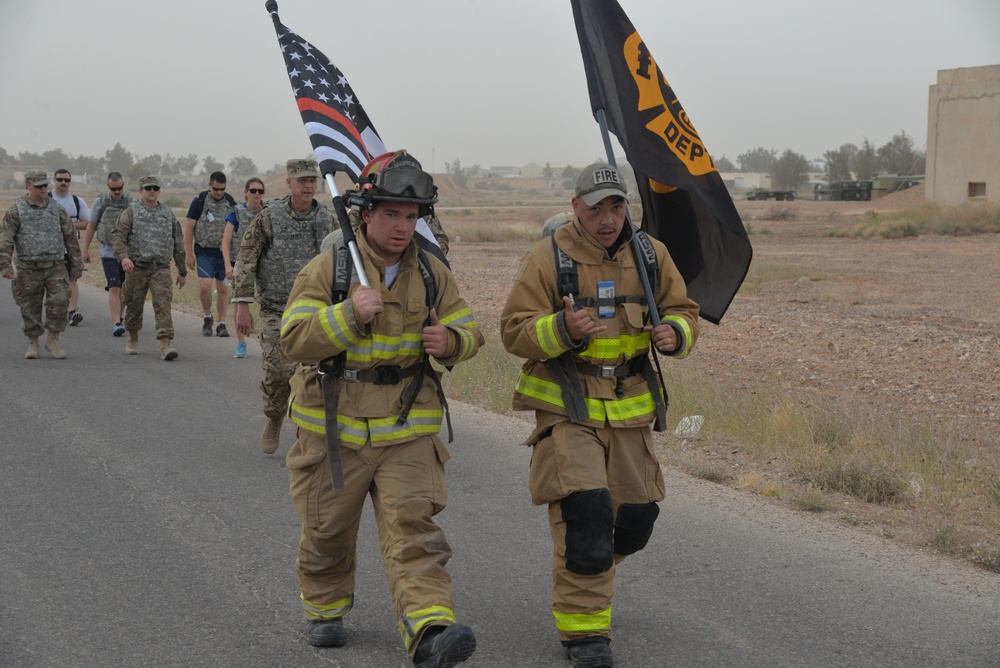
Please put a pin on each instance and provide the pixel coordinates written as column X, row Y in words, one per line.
column 206, row 326
column 118, row 330
column 221, row 330
column 241, row 349
column 74, row 317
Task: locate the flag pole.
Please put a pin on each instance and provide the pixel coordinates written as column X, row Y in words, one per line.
column 654, row 315
column 347, row 230
column 343, row 220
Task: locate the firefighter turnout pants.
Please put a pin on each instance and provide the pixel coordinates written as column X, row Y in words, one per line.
column 407, row 487
column 601, row 486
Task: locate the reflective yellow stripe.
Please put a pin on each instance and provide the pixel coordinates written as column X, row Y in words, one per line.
column 460, row 318
column 300, row 309
column 328, row 611
column 334, row 323
column 548, row 338
column 626, row 345
column 615, row 410
column 412, row 623
column 466, row 344
column 420, row 422
column 382, row 347
column 685, row 328
column 583, row 621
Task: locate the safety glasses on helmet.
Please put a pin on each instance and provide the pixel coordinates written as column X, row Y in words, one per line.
column 404, row 182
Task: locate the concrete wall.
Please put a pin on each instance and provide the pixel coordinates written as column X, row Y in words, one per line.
column 963, row 135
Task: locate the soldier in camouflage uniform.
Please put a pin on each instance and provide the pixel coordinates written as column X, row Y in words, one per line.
column 278, row 243
column 41, row 232
column 146, row 237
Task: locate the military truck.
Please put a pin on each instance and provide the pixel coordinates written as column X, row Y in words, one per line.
column 779, row 195
column 844, row 191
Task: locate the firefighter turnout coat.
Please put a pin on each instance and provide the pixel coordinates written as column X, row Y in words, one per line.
column 313, row 329
column 532, row 327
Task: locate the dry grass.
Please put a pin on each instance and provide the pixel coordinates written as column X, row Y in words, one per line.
column 941, row 486
column 928, row 219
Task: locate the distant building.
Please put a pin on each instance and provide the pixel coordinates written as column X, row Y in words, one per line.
column 963, row 136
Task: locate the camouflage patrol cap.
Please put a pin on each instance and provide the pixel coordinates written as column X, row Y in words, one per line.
column 149, row 181
column 36, row 177
column 298, row 169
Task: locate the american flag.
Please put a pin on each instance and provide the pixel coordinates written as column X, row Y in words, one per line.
column 341, row 133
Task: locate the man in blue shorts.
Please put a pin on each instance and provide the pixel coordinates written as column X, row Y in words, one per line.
column 103, row 216
column 203, row 228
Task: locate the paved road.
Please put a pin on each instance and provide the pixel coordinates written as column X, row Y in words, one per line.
column 140, row 525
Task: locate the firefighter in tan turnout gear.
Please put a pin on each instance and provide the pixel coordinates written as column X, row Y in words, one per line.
column 577, row 314
column 366, row 372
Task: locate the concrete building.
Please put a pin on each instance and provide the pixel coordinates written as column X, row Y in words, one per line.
column 963, row 136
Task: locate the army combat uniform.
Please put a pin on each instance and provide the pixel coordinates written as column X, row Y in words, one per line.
column 275, row 246
column 43, row 237
column 399, row 462
column 150, row 238
column 593, row 462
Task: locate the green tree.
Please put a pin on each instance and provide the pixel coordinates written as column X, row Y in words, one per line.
column 724, row 164
column 186, row 164
column 899, row 157
column 456, row 172
column 837, row 164
column 759, row 160
column 55, row 159
column 790, row 170
column 5, row 157
column 87, row 164
column 118, row 159
column 865, row 162
column 242, row 166
column 29, row 159
column 570, row 172
column 547, row 171
column 212, row 165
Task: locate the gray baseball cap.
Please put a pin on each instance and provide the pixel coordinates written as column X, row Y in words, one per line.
column 597, row 181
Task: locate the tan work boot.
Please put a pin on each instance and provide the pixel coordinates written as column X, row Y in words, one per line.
column 272, row 432
column 32, row 353
column 52, row 345
column 166, row 350
column 132, row 344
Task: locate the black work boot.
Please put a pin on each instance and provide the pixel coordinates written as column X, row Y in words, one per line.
column 445, row 646
column 593, row 652
column 327, row 633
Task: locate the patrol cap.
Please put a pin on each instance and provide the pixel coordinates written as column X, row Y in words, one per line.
column 36, row 177
column 149, row 181
column 298, row 169
column 597, row 181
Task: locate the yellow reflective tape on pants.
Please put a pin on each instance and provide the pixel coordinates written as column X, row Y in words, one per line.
column 328, row 611
column 583, row 621
column 412, row 623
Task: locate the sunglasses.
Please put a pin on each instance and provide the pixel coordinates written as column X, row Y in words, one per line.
column 255, row 191
column 41, row 187
column 116, row 190
column 219, row 190
column 153, row 188
column 63, row 180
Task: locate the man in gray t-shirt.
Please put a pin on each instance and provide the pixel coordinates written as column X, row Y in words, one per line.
column 104, row 214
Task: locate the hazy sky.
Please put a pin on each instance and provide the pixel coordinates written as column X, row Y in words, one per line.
column 489, row 82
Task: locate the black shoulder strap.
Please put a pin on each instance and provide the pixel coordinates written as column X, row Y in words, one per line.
column 567, row 275
column 648, row 257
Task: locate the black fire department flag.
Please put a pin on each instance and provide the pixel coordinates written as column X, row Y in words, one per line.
column 341, row 133
column 684, row 201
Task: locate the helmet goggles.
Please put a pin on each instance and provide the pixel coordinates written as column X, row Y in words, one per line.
column 404, row 182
